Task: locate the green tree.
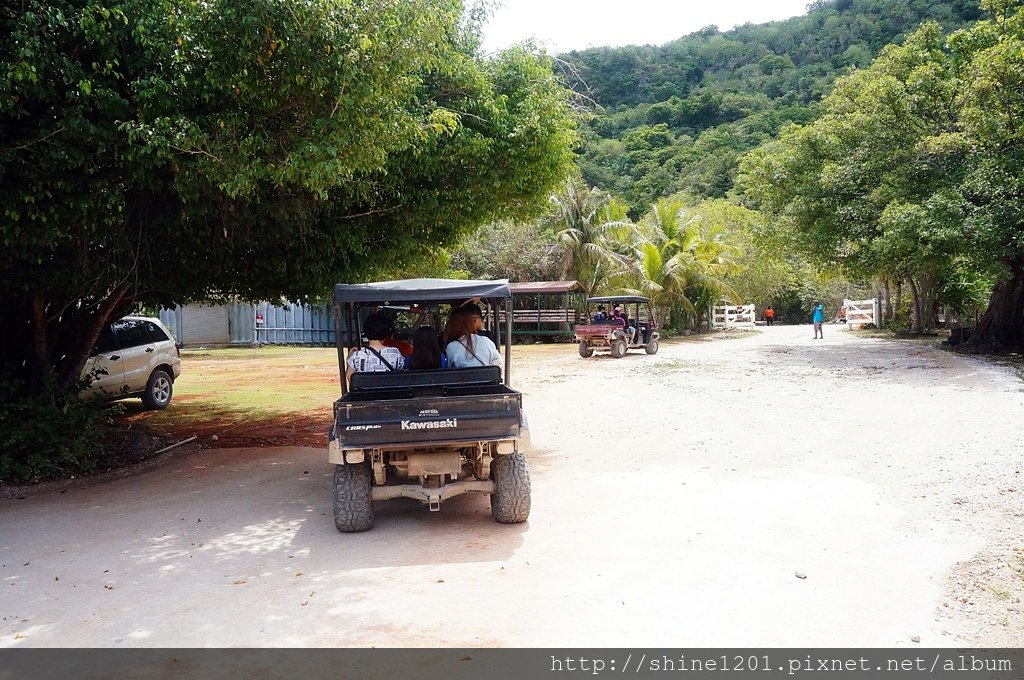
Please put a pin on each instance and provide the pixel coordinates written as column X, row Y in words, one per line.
column 994, row 185
column 860, row 185
column 916, row 170
column 517, row 251
column 157, row 152
column 685, row 255
column 588, row 222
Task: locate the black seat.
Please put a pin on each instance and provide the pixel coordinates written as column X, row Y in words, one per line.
column 441, row 377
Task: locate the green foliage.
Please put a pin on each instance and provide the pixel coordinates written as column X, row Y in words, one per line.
column 49, row 435
column 798, row 57
column 588, row 224
column 720, row 95
column 683, row 255
column 156, row 152
column 864, row 186
column 915, row 173
column 517, row 251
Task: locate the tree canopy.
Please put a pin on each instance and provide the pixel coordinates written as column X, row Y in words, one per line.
column 915, row 171
column 677, row 117
column 157, row 151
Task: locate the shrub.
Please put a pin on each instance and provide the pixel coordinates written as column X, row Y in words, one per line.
column 55, row 434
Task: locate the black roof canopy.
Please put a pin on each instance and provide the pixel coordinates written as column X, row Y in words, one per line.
column 420, row 290
column 618, row 299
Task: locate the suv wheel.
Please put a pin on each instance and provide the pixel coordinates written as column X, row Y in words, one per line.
column 353, row 505
column 618, row 348
column 585, row 350
column 652, row 347
column 510, row 501
column 159, row 389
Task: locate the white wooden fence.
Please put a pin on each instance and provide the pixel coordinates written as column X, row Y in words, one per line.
column 730, row 316
column 862, row 312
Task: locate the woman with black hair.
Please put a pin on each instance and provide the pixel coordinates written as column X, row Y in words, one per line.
column 426, row 353
column 375, row 357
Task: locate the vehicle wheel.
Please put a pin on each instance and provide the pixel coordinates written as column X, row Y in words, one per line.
column 526, row 339
column 618, row 348
column 510, row 502
column 585, row 350
column 353, row 506
column 159, row 389
column 652, row 347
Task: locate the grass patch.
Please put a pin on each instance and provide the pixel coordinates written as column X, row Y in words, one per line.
column 233, row 385
column 264, row 352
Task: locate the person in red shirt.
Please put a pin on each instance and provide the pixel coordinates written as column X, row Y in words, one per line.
column 401, row 345
column 769, row 316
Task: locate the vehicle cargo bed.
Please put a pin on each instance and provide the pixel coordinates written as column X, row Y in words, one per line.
column 427, row 407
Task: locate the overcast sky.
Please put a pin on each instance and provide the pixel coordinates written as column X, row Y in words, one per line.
column 564, row 25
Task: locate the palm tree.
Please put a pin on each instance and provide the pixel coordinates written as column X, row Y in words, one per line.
column 588, row 221
column 685, row 258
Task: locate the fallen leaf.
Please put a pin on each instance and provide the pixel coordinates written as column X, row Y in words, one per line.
column 799, row 575
column 298, row 573
column 239, row 581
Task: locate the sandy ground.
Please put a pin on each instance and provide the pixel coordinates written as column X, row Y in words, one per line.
column 763, row 489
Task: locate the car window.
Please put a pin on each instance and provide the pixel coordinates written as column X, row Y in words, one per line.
column 131, row 333
column 106, row 342
column 155, row 333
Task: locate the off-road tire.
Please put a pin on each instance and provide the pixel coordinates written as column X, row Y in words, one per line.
column 353, row 506
column 585, row 350
column 618, row 348
column 159, row 389
column 510, row 502
column 651, row 347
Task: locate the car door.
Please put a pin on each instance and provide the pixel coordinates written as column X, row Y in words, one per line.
column 136, row 352
column 105, row 365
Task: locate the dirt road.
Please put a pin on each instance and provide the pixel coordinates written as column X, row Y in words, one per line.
column 760, row 490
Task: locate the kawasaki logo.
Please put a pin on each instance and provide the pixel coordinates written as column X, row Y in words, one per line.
column 431, row 424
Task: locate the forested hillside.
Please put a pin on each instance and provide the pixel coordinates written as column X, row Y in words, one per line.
column 677, row 117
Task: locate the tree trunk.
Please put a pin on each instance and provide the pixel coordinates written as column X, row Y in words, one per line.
column 915, row 307
column 928, row 293
column 899, row 298
column 1001, row 328
column 887, row 292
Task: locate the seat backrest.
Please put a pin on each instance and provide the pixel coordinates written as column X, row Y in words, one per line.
column 441, row 377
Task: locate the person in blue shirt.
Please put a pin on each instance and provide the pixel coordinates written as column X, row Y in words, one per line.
column 818, row 318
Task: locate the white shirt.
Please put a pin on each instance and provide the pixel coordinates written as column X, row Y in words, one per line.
column 485, row 351
column 365, row 360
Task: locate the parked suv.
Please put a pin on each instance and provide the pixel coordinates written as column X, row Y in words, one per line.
column 134, row 357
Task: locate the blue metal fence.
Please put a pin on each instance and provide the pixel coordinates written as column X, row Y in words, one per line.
column 264, row 323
